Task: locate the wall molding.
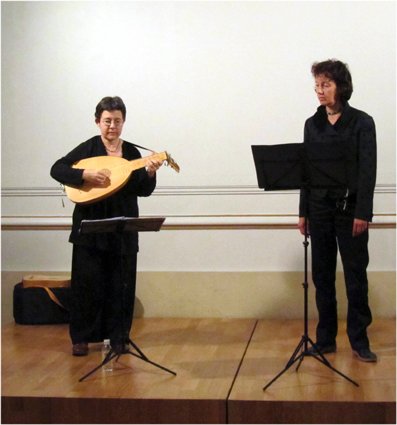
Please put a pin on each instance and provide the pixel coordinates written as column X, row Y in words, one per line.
column 215, row 190
column 241, row 220
column 188, row 222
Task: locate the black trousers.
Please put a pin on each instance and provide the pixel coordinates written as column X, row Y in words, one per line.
column 330, row 228
column 103, row 293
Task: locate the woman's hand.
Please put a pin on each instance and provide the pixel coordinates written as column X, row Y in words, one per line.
column 302, row 225
column 359, row 227
column 152, row 165
column 97, row 177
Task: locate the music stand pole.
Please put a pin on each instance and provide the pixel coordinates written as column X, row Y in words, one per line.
column 119, row 225
column 302, row 346
column 288, row 166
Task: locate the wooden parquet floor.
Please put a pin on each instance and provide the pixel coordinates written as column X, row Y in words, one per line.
column 222, row 366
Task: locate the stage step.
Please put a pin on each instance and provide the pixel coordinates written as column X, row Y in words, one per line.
column 222, row 366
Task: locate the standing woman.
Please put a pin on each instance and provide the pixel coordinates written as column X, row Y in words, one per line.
column 97, row 308
column 338, row 218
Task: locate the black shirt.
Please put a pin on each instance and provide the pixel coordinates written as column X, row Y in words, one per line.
column 356, row 130
column 122, row 203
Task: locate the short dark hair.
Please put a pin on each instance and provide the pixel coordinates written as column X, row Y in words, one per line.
column 109, row 103
column 338, row 72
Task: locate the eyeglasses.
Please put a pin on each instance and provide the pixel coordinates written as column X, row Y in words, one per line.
column 116, row 123
column 323, row 87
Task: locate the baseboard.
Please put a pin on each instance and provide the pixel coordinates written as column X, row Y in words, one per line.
column 258, row 295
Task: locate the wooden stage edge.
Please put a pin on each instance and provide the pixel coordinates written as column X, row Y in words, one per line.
column 222, row 366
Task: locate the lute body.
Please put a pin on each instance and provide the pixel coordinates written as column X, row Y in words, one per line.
column 120, row 170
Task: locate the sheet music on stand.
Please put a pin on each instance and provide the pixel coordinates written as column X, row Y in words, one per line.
column 116, row 224
column 299, row 165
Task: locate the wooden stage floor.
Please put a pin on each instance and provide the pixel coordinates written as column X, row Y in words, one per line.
column 222, row 366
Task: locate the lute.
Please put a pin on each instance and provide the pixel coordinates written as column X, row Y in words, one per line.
column 119, row 169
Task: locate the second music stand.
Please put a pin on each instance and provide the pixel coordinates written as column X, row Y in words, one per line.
column 302, row 166
column 119, row 225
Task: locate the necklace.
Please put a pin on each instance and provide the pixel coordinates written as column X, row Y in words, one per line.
column 115, row 149
column 334, row 112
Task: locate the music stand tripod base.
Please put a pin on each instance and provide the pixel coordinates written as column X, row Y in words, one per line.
column 299, row 358
column 113, row 354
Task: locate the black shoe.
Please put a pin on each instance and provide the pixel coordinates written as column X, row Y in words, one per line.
column 365, row 355
column 324, row 349
column 80, row 349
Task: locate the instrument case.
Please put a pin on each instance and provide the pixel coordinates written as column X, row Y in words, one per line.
column 36, row 303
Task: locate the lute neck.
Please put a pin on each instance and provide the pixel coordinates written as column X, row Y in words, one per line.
column 136, row 164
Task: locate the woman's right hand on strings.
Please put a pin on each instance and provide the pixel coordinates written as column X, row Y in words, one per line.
column 97, row 177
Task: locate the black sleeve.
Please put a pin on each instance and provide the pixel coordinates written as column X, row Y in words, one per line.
column 366, row 170
column 139, row 184
column 62, row 170
column 148, row 184
column 303, row 194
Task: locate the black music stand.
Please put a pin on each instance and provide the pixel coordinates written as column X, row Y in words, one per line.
column 302, row 166
column 120, row 225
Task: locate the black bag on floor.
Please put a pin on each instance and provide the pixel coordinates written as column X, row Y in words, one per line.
column 40, row 305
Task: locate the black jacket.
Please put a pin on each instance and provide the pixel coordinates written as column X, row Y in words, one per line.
column 122, row 203
column 356, row 131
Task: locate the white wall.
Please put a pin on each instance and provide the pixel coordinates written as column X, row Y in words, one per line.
column 204, row 81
